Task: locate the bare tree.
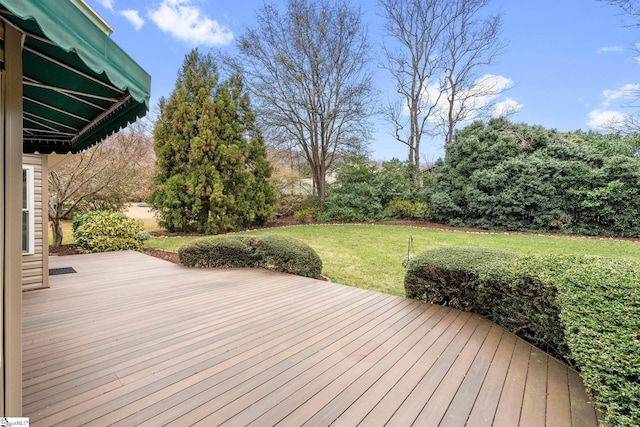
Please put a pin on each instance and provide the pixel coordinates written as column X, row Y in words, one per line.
column 631, row 8
column 434, row 50
column 470, row 43
column 628, row 123
column 105, row 176
column 306, row 67
column 414, row 60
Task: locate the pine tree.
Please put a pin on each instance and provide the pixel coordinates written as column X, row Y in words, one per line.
column 212, row 170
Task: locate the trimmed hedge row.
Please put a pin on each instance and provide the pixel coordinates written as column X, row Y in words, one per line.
column 278, row 253
column 454, row 277
column 106, row 231
column 586, row 310
column 600, row 300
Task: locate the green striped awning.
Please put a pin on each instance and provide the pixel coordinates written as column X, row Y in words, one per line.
column 78, row 85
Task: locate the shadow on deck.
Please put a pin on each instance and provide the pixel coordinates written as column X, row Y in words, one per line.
column 133, row 340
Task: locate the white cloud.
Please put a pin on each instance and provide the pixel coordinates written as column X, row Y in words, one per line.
column 505, row 108
column 481, row 98
column 489, row 87
column 628, row 91
column 106, row 3
column 606, row 119
column 188, row 23
column 607, row 49
column 133, row 17
column 479, row 102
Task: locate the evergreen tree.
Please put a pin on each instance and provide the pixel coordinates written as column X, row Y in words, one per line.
column 213, row 174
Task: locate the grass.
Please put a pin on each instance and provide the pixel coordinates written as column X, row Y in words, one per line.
column 370, row 256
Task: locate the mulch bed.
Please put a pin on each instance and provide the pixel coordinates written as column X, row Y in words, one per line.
column 73, row 250
column 165, row 255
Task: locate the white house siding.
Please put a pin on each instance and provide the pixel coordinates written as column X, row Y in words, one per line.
column 35, row 268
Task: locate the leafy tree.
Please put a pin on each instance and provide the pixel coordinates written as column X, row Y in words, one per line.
column 306, row 67
column 103, row 177
column 213, row 175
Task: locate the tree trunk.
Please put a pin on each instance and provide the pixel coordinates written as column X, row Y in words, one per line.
column 56, row 228
column 416, row 163
column 319, row 182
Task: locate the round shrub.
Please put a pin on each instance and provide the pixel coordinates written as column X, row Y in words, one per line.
column 217, row 251
column 143, row 235
column 105, row 231
column 278, row 253
column 288, row 255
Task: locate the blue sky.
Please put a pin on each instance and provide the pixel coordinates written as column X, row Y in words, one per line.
column 571, row 64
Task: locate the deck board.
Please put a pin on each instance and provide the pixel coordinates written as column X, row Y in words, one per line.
column 134, row 340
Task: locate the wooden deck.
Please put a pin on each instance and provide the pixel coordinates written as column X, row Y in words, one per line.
column 136, row 341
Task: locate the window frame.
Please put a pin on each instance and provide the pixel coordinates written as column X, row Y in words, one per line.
column 28, row 172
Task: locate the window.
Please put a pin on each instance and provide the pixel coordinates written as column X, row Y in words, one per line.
column 27, row 210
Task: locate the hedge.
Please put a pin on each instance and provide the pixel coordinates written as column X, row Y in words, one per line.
column 585, row 310
column 218, row 251
column 278, row 253
column 600, row 300
column 105, row 231
column 289, row 255
column 452, row 276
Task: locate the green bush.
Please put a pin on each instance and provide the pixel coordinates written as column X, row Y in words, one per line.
column 306, row 215
column 600, row 300
column 363, row 192
column 583, row 309
column 516, row 293
column 105, row 231
column 279, row 253
column 218, row 251
column 404, row 209
column 288, row 255
column 525, row 301
column 143, row 235
column 401, row 209
column 505, row 176
column 289, row 204
column 452, row 276
column 82, row 217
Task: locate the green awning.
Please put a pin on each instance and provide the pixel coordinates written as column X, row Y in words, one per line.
column 79, row 86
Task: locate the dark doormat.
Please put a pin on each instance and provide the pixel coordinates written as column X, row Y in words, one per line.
column 62, row 270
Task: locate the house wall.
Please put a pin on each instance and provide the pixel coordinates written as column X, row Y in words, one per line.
column 35, row 267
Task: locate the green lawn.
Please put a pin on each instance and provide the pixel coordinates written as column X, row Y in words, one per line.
column 370, row 256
